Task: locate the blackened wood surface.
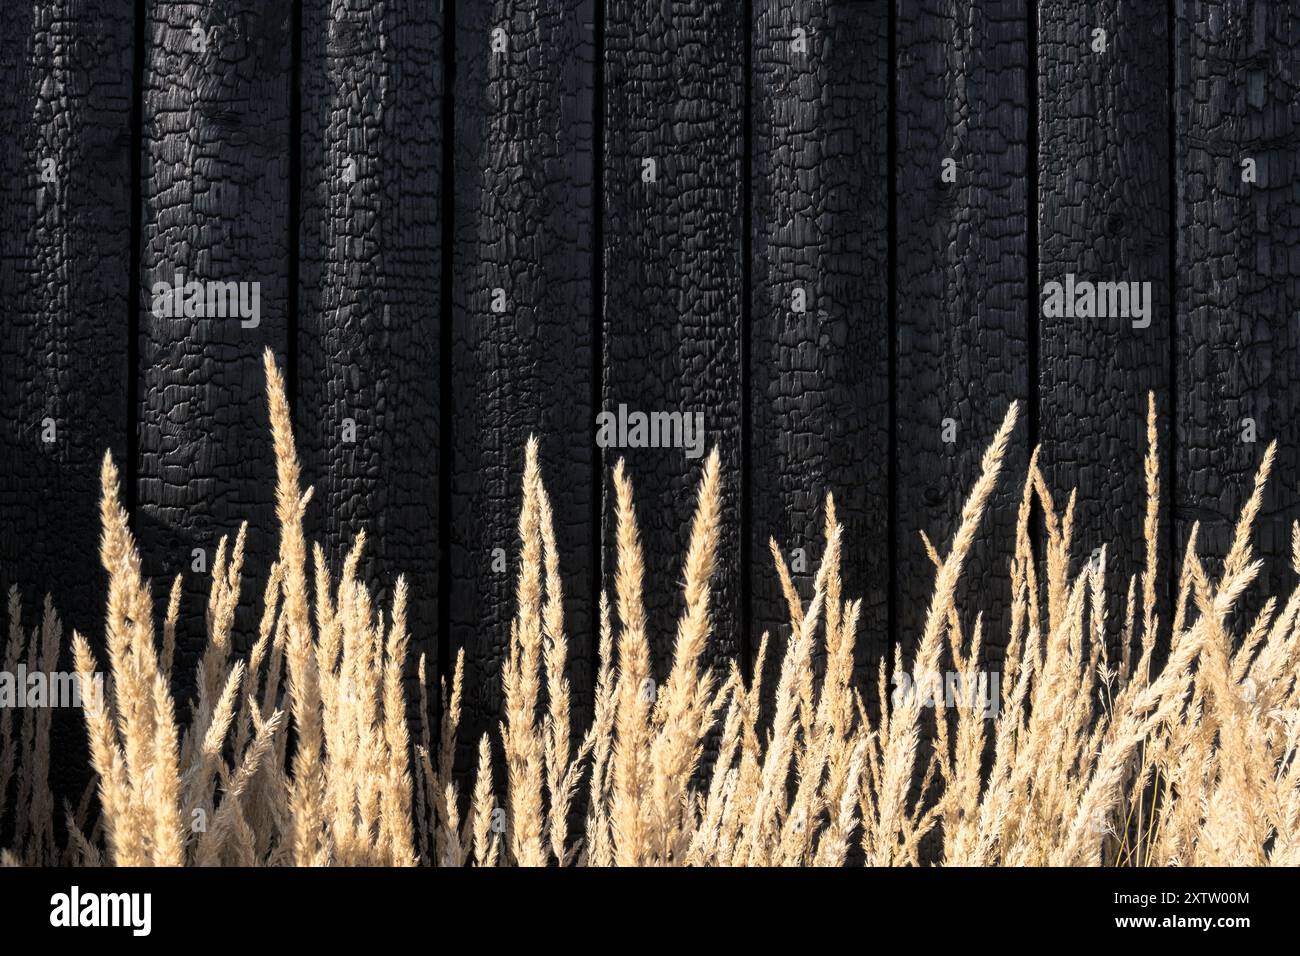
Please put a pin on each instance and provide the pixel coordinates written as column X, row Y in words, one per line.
column 65, row 279
column 65, row 250
column 622, row 292
column 1103, row 214
column 674, row 281
column 1238, row 278
column 215, row 194
column 819, row 380
column 961, row 291
column 370, row 277
column 524, row 157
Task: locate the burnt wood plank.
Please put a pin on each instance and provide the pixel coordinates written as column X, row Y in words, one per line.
column 65, row 253
column 523, row 326
column 215, row 209
column 1238, row 274
column 370, row 248
column 819, row 375
column 1103, row 215
column 64, row 271
column 962, row 328
column 674, row 283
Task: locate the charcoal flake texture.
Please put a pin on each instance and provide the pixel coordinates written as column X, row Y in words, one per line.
column 524, row 159
column 619, row 202
column 370, row 249
column 65, row 252
column 1238, row 275
column 819, row 379
column 1103, row 214
column 215, row 208
column 961, row 275
column 674, row 284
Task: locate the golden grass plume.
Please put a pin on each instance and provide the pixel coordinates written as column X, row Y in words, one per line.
column 1181, row 752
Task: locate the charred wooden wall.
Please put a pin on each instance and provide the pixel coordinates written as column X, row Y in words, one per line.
column 822, row 224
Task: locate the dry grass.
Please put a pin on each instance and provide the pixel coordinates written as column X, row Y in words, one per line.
column 1088, row 761
column 26, row 802
column 224, row 789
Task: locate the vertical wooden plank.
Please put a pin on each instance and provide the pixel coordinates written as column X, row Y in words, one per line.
column 215, row 197
column 65, row 253
column 961, row 278
column 1238, row 275
column 64, row 272
column 674, row 281
column 819, row 378
column 1103, row 215
column 522, row 322
column 370, row 279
